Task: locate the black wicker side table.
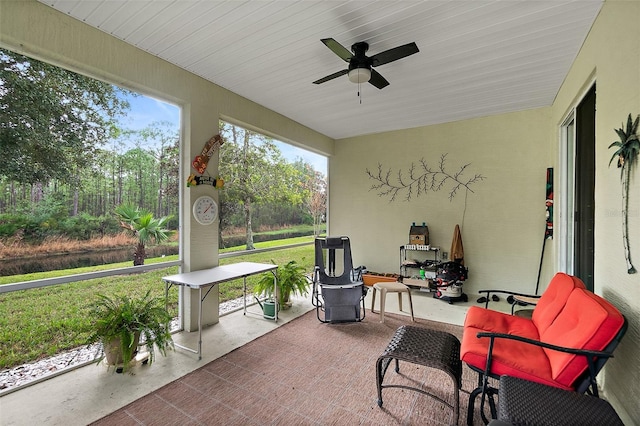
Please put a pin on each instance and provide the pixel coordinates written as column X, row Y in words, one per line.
column 522, row 402
column 430, row 348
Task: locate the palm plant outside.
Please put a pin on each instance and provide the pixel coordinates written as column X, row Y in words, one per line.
column 627, row 149
column 145, row 227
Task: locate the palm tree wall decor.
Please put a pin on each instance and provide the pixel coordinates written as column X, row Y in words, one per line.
column 627, row 149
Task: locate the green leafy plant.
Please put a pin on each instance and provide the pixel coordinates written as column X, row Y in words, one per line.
column 627, row 149
column 130, row 319
column 291, row 279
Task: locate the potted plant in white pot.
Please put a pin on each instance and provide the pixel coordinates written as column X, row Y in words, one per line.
column 121, row 322
column 291, row 279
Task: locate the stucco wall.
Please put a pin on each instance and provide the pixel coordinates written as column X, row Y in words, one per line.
column 35, row 30
column 502, row 220
column 611, row 55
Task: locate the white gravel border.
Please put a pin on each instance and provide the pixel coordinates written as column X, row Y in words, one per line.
column 31, row 373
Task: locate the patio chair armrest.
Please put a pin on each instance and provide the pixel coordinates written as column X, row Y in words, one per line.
column 591, row 355
column 357, row 272
column 334, row 286
column 576, row 351
column 513, row 293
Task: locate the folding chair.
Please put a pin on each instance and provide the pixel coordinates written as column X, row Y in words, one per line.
column 338, row 291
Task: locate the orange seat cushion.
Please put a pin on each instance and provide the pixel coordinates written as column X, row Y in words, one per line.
column 498, row 322
column 509, row 356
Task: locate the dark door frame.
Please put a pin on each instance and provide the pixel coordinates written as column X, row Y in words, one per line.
column 584, row 204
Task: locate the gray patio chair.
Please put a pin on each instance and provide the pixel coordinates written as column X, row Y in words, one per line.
column 338, row 291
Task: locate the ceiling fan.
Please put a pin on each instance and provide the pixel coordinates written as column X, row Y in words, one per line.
column 360, row 68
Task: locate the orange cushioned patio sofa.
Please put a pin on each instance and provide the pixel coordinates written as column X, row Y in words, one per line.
column 570, row 336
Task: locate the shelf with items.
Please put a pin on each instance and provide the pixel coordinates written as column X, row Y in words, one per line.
column 427, row 261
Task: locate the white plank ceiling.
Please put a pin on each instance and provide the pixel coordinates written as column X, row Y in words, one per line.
column 476, row 57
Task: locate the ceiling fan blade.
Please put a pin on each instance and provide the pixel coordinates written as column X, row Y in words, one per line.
column 331, row 76
column 338, row 49
column 394, row 54
column 377, row 80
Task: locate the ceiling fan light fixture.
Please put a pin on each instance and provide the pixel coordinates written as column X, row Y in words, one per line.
column 359, row 75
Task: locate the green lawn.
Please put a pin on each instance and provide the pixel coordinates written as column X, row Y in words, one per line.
column 42, row 322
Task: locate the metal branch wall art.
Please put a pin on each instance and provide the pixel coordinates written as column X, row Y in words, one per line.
column 420, row 179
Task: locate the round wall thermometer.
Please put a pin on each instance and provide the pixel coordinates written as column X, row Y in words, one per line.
column 205, row 210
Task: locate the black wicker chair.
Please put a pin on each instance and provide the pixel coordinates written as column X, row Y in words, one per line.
column 522, row 402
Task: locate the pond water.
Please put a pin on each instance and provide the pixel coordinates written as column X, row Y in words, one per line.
column 77, row 260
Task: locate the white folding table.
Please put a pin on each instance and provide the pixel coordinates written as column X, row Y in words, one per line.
column 213, row 276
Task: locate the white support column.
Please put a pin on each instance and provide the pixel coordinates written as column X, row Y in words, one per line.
column 200, row 242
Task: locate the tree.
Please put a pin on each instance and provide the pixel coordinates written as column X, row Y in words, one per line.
column 144, row 226
column 166, row 152
column 314, row 187
column 51, row 119
column 317, row 205
column 254, row 172
column 139, row 176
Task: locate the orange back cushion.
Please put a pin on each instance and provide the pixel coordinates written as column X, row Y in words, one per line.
column 553, row 299
column 587, row 322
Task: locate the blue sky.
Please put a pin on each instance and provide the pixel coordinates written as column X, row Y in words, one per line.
column 145, row 111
